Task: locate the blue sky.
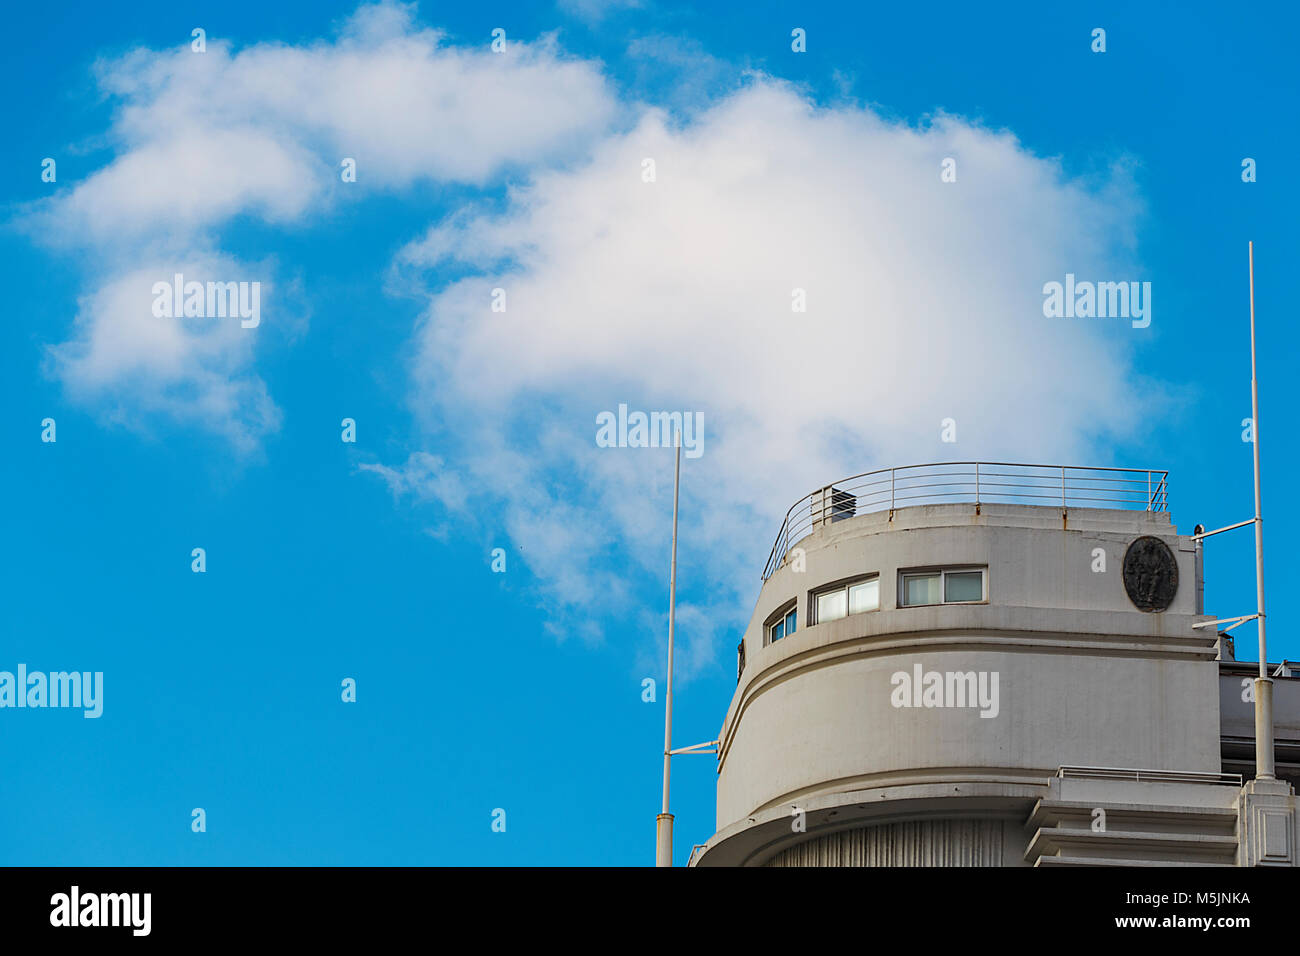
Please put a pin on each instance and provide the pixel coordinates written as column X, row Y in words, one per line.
column 522, row 690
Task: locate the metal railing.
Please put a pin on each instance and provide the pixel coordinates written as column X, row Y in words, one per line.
column 977, row 482
column 1149, row 776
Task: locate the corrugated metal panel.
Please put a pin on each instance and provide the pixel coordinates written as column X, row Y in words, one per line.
column 915, row 843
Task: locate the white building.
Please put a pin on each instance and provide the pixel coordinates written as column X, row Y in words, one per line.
column 994, row 665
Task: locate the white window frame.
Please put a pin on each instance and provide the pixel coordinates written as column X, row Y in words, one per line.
column 780, row 617
column 844, row 585
column 943, row 573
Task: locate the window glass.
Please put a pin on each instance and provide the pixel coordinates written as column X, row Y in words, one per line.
column 790, row 621
column 832, row 606
column 864, row 596
column 922, row 588
column 778, row 630
column 963, row 586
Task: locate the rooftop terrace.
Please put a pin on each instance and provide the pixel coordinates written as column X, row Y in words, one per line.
column 976, row 482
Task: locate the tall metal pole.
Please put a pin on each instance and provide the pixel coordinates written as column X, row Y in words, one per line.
column 664, row 822
column 1263, row 683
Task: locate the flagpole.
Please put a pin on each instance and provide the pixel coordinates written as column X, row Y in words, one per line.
column 1263, row 683
column 664, row 822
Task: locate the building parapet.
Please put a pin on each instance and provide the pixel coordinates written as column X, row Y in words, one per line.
column 973, row 482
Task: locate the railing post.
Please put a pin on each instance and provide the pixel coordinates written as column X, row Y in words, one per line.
column 891, row 492
column 977, row 486
column 1062, row 488
column 1149, row 501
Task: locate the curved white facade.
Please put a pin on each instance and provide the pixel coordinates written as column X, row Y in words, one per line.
column 825, row 757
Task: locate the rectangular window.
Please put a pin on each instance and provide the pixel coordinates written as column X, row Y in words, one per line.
column 784, row 625
column 963, row 586
column 851, row 597
column 944, row 586
column 864, row 596
column 922, row 588
column 831, row 606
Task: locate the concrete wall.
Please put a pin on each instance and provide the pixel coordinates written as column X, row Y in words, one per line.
column 1084, row 678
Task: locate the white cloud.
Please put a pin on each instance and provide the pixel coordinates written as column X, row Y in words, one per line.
column 924, row 298
column 180, row 185
column 924, row 303
column 595, row 11
column 134, row 365
column 204, row 137
column 678, row 73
